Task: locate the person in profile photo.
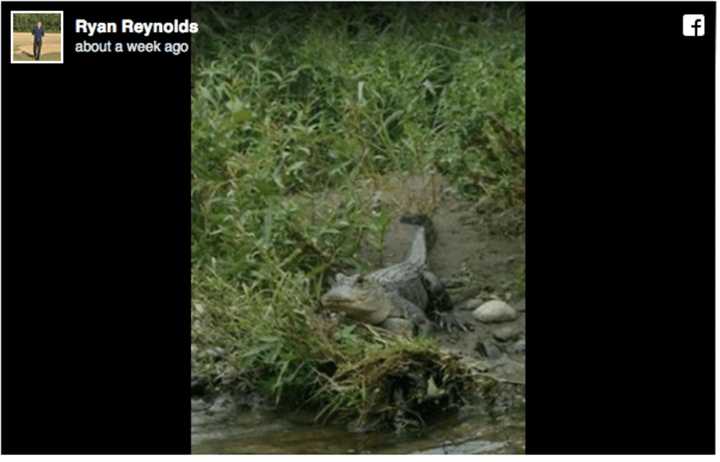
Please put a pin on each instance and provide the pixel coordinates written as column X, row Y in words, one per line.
column 38, row 33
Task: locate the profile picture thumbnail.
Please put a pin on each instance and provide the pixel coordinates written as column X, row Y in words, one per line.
column 37, row 37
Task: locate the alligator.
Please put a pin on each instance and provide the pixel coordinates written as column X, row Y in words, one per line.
column 401, row 298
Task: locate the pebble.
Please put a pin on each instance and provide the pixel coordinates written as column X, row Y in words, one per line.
column 469, row 305
column 495, row 311
column 199, row 405
column 518, row 347
column 221, row 404
column 488, row 350
column 506, row 333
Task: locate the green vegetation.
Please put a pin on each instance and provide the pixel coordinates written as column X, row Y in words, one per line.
column 24, row 22
column 293, row 107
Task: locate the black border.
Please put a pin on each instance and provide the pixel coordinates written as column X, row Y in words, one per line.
column 96, row 255
column 620, row 229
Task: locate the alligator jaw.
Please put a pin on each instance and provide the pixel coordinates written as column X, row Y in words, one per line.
column 358, row 304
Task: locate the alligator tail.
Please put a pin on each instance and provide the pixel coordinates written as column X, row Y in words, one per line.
column 427, row 225
column 420, row 247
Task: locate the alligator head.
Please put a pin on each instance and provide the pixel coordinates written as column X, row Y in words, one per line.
column 359, row 298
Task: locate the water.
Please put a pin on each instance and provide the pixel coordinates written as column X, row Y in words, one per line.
column 266, row 432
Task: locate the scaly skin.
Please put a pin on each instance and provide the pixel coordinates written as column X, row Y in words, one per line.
column 396, row 297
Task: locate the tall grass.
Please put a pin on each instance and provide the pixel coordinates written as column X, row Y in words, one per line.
column 294, row 105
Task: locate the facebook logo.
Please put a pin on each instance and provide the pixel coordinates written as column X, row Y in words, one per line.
column 693, row 25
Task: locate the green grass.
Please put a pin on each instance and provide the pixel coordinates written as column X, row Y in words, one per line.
column 292, row 106
column 24, row 22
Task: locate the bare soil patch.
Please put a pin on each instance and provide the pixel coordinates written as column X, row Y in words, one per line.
column 23, row 46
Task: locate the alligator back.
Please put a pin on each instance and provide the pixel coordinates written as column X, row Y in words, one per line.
column 416, row 259
column 405, row 278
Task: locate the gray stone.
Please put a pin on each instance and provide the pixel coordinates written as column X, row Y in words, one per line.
column 506, row 333
column 489, row 350
column 199, row 405
column 221, row 404
column 520, row 305
column 518, row 347
column 495, row 311
column 511, row 370
column 469, row 305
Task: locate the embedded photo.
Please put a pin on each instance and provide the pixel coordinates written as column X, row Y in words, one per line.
column 37, row 37
column 358, row 229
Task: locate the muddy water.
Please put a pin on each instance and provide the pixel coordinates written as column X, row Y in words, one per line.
column 265, row 432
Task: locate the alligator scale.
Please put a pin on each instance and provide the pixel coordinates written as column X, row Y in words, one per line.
column 402, row 298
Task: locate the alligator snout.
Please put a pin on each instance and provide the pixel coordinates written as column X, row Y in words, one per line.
column 338, row 295
column 331, row 298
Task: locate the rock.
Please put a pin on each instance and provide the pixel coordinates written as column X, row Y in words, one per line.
column 506, row 333
column 518, row 347
column 198, row 405
column 495, row 311
column 221, row 404
column 510, row 370
column 488, row 350
column 198, row 386
column 469, row 305
column 520, row 305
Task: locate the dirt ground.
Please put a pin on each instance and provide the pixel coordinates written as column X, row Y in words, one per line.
column 23, row 46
